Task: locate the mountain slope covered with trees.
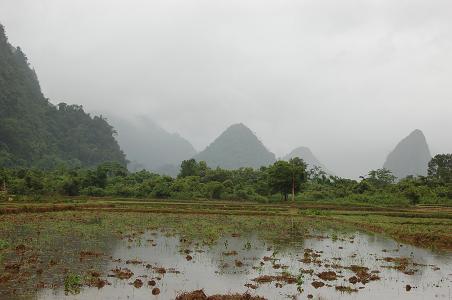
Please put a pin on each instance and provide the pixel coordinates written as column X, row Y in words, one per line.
column 34, row 132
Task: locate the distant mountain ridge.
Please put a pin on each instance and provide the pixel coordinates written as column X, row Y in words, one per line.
column 236, row 147
column 149, row 146
column 410, row 157
column 306, row 154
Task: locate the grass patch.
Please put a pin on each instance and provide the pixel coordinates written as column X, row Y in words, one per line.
column 3, row 244
column 72, row 284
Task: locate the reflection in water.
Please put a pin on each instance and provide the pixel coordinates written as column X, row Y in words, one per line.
column 218, row 270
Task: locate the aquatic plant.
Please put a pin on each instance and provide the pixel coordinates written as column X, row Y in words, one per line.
column 72, row 284
column 3, row 244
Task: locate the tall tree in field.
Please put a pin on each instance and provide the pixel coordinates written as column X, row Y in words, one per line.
column 286, row 177
column 299, row 174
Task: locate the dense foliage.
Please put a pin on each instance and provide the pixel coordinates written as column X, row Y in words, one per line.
column 33, row 132
column 197, row 180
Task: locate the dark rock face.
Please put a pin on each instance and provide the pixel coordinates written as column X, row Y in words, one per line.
column 308, row 157
column 236, row 147
column 410, row 157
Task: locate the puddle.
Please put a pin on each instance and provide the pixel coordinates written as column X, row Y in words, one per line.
column 341, row 266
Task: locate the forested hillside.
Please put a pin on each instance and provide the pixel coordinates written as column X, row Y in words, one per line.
column 34, row 132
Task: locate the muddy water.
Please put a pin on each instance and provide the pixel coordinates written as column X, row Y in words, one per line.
column 219, row 270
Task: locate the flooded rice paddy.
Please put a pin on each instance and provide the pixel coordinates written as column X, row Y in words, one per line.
column 162, row 264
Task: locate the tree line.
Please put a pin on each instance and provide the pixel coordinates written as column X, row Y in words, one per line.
column 198, row 181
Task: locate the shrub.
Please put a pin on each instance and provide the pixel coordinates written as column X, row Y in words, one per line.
column 93, row 191
column 413, row 195
column 214, row 189
column 362, row 187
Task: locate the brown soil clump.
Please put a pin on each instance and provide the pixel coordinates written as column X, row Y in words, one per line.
column 328, row 275
column 151, row 282
column 317, row 284
column 238, row 264
column 84, row 254
column 97, row 282
column 401, row 264
column 362, row 275
column 121, row 273
column 21, row 248
column 160, row 270
column 281, row 278
column 95, row 274
column 304, row 271
column 230, row 253
column 251, row 286
column 345, row 289
column 133, row 262
column 353, row 280
column 200, row 295
column 137, row 283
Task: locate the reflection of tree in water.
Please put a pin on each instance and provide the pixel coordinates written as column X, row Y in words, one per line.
column 45, row 256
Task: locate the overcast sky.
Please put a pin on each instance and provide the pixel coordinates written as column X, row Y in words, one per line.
column 348, row 79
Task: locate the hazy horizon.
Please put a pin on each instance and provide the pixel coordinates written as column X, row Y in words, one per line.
column 348, row 80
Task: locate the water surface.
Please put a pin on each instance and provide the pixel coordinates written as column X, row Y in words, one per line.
column 235, row 261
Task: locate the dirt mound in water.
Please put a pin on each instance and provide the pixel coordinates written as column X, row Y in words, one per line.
column 200, row 295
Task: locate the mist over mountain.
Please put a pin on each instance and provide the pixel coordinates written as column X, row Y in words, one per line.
column 410, row 157
column 306, row 154
column 236, row 147
column 149, row 146
column 34, row 132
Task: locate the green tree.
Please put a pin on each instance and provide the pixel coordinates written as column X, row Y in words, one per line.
column 188, row 168
column 286, row 177
column 193, row 168
column 381, row 178
column 214, row 189
column 440, row 168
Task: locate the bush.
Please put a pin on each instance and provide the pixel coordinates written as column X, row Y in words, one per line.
column 93, row 191
column 362, row 187
column 161, row 190
column 214, row 189
column 413, row 195
column 70, row 187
